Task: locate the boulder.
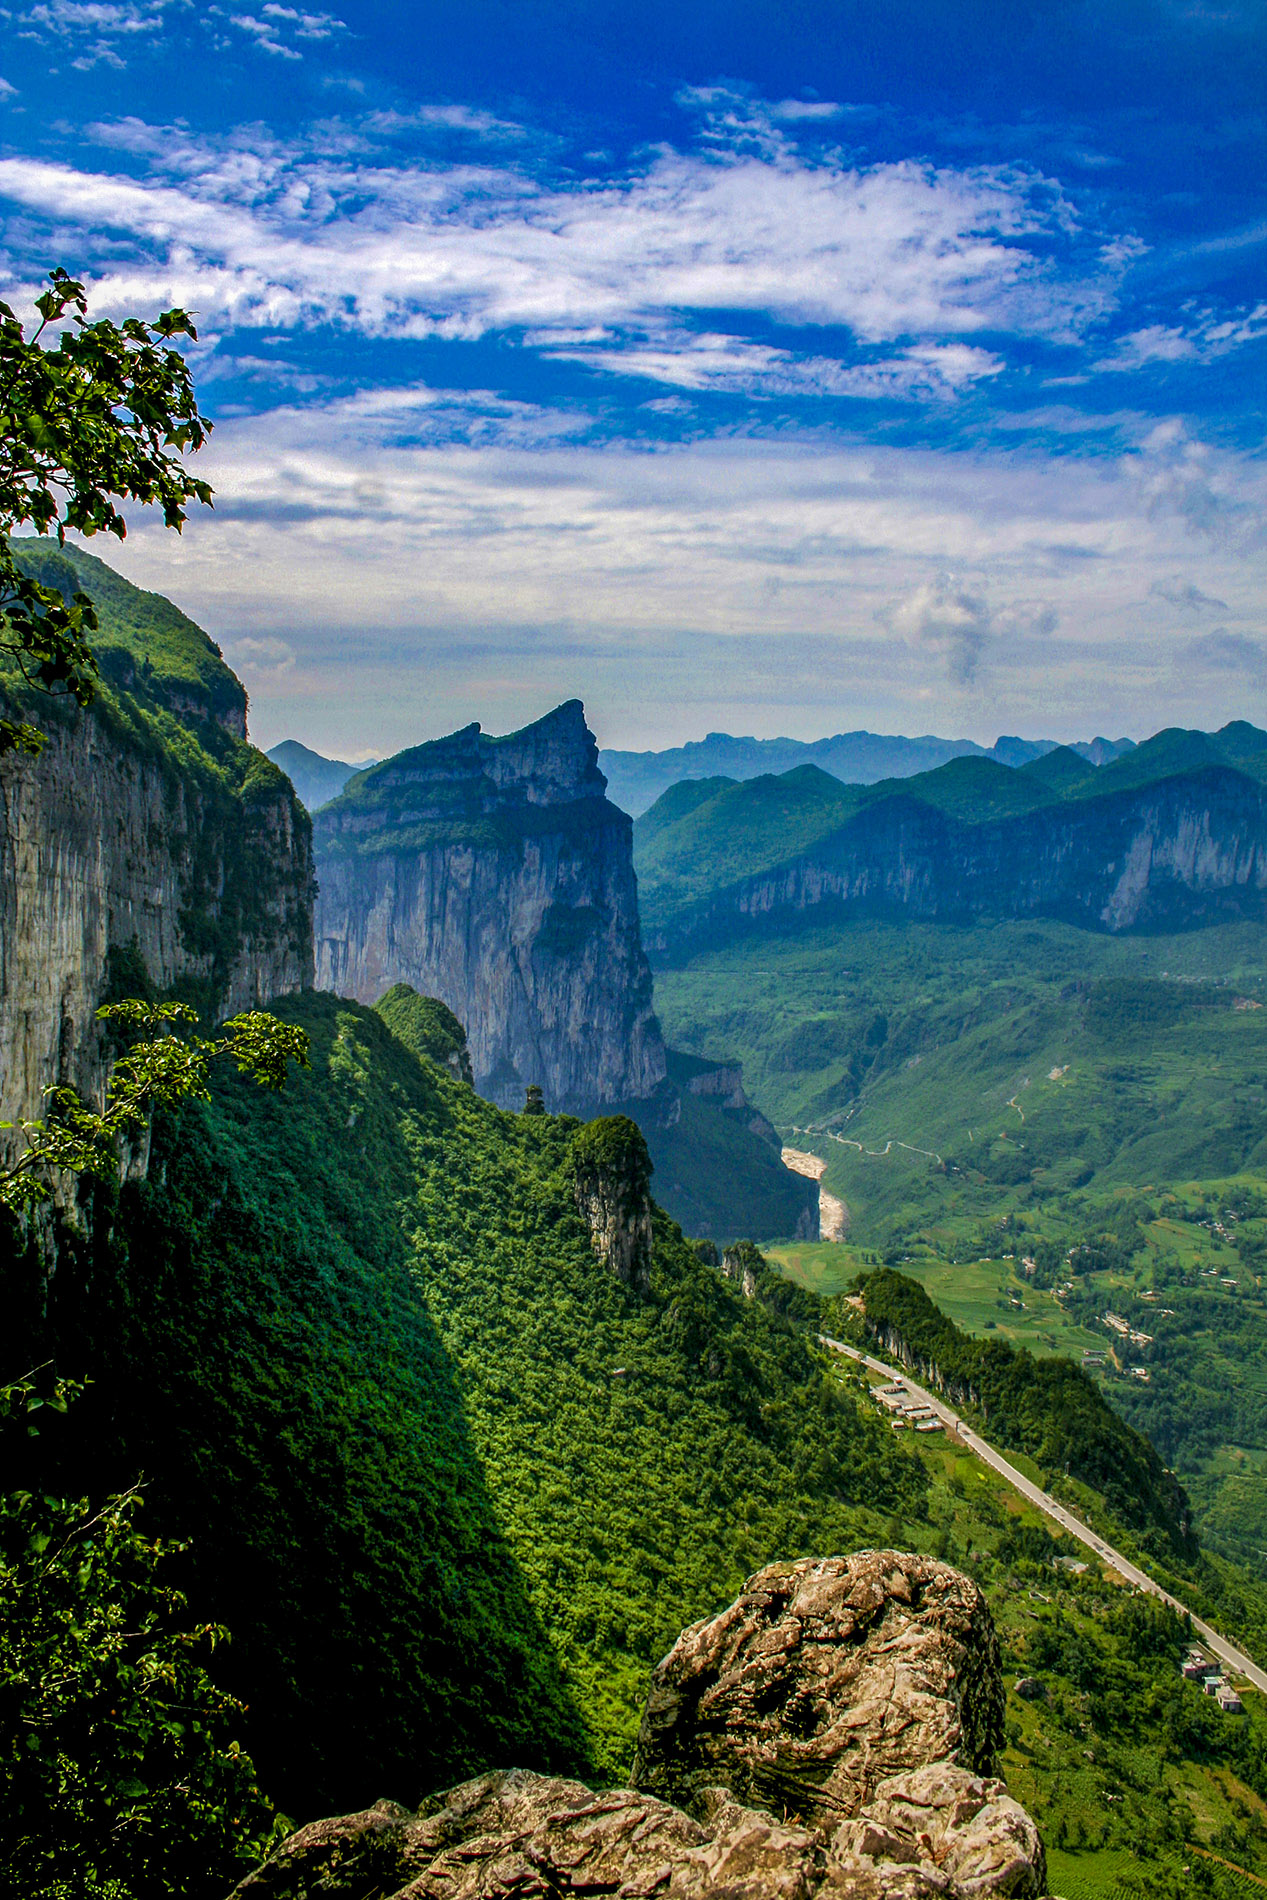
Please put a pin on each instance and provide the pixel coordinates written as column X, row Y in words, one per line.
column 827, row 1737
column 823, row 1679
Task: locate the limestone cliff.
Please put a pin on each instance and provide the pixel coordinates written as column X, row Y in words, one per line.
column 494, row 874
column 147, row 843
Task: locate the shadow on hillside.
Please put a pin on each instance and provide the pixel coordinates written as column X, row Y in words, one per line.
column 258, row 1350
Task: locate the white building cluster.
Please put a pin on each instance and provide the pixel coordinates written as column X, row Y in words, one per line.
column 1197, row 1667
column 906, row 1411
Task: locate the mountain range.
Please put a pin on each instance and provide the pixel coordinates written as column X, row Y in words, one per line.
column 444, row 1418
column 1172, row 832
column 636, row 779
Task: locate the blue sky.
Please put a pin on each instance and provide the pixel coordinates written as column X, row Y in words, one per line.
column 771, row 366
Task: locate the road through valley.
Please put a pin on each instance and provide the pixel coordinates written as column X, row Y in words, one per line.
column 1233, row 1658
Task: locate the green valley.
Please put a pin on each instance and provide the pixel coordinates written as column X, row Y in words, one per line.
column 987, row 1092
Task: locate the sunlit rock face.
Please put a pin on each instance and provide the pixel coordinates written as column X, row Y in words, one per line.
column 112, row 859
column 495, row 874
column 831, row 1733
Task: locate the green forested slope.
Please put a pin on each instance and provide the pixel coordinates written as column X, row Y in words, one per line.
column 455, row 1489
column 452, row 1487
column 697, row 846
column 1027, row 1055
column 989, row 1092
column 144, row 643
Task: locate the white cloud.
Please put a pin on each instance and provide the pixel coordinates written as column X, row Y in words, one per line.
column 267, row 659
column 946, row 617
column 709, row 361
column 102, row 31
column 1203, row 339
column 689, row 586
column 1159, row 343
column 1181, row 476
column 894, row 252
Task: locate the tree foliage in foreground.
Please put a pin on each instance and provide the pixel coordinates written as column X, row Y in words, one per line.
column 104, row 416
column 162, row 1072
column 120, row 1772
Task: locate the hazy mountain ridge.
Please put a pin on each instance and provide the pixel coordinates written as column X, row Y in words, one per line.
column 316, row 779
column 636, row 779
column 1174, row 831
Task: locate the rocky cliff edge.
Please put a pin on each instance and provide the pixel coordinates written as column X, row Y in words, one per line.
column 831, row 1733
column 147, row 846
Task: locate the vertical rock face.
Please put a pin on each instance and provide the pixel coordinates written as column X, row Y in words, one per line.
column 147, row 842
column 494, row 874
column 613, row 1195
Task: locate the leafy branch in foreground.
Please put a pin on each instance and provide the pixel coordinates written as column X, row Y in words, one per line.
column 118, row 1772
column 105, row 416
column 158, row 1073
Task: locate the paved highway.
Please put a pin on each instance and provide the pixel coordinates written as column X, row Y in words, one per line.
column 1235, row 1659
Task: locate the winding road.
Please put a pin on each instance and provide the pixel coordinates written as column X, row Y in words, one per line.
column 1235, row 1659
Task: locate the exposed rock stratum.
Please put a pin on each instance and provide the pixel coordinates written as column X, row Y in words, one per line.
column 494, row 874
column 831, row 1733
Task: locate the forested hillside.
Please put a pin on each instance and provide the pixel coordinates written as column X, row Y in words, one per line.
column 989, row 1093
column 453, row 1488
column 1166, row 835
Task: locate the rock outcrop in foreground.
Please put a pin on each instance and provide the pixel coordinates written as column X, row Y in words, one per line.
column 830, row 1734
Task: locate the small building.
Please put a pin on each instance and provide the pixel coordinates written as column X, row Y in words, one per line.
column 1229, row 1701
column 1212, row 1684
column 1194, row 1669
column 930, row 1425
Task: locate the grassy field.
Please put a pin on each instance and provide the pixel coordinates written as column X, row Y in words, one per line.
column 927, row 1062
column 979, row 1295
column 1001, row 1089
column 1087, row 1876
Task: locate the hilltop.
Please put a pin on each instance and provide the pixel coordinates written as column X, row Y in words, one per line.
column 637, row 779
column 316, row 779
column 1171, row 832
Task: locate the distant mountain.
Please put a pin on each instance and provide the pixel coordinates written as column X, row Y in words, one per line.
column 1170, row 833
column 636, row 779
column 493, row 874
column 316, row 779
